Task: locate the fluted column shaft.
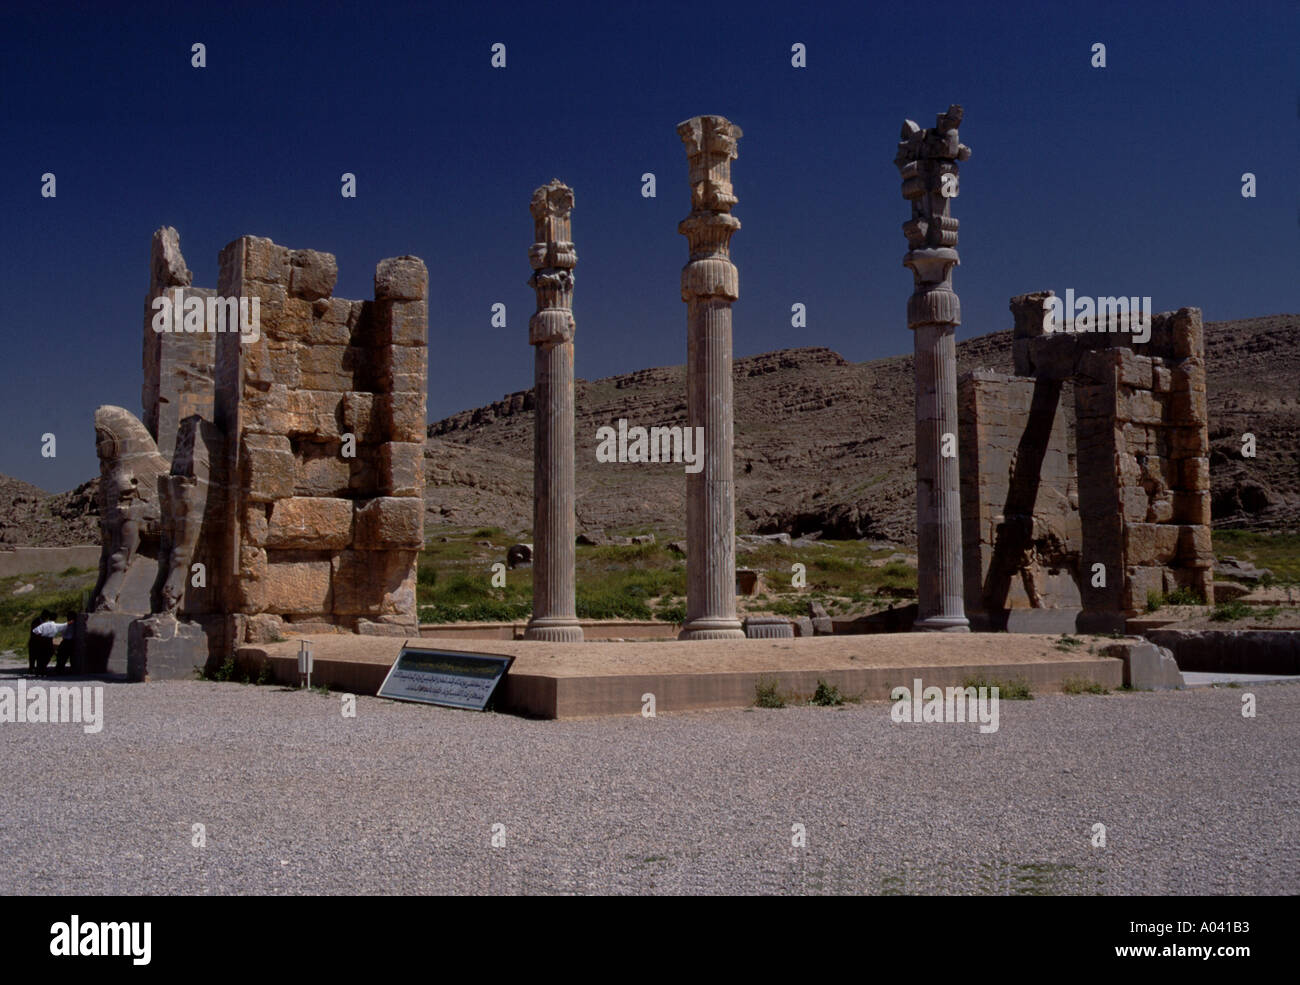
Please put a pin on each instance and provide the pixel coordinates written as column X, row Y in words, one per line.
column 551, row 332
column 927, row 160
column 709, row 286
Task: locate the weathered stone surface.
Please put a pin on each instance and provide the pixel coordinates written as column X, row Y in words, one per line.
column 401, row 368
column 329, row 367
column 312, row 274
column 375, row 582
column 927, row 161
column 402, row 416
column 1147, row 667
column 315, row 414
column 273, row 492
column 268, row 466
column 298, row 586
column 768, row 628
column 163, row 648
column 401, row 279
column 709, row 285
column 401, row 468
column 400, row 323
column 311, row 522
column 264, row 628
column 389, row 522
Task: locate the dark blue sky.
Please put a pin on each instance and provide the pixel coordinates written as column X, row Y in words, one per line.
column 1123, row 180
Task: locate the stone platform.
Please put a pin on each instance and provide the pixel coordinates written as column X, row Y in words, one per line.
column 564, row 680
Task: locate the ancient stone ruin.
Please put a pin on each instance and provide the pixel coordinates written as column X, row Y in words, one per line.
column 276, row 478
column 710, row 285
column 927, row 160
column 551, row 331
column 1064, row 534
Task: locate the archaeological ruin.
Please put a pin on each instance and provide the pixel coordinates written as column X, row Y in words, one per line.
column 550, row 332
column 1073, row 530
column 710, row 285
column 927, row 160
column 275, row 479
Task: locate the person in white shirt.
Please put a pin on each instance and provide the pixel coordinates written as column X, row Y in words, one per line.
column 46, row 631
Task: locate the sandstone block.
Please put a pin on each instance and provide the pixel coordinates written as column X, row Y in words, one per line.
column 401, row 468
column 312, row 274
column 1150, row 543
column 401, row 368
column 1147, row 667
column 1162, row 380
column 359, row 417
column 402, row 416
column 401, row 279
column 390, row 521
column 268, row 467
column 257, row 258
column 375, row 583
column 315, row 523
column 298, row 586
column 1188, row 442
column 250, row 585
column 1194, row 542
column 265, row 410
column 1191, row 507
column 255, row 525
column 1139, row 407
column 331, row 324
column 1195, row 474
column 314, row 413
column 330, row 367
column 321, row 470
column 1142, row 581
column 268, row 361
column 399, row 323
column 264, row 628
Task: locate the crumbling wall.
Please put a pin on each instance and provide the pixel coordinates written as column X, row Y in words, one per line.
column 1142, row 453
column 324, row 415
column 1021, row 536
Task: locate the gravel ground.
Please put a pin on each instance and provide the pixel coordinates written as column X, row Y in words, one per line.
column 295, row 798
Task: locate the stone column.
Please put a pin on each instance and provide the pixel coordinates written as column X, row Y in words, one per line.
column 551, row 331
column 927, row 160
column 709, row 286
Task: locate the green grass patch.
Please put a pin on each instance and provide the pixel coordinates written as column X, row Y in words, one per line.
column 1230, row 611
column 1082, row 685
column 1279, row 552
column 767, row 693
column 827, row 695
column 1016, row 690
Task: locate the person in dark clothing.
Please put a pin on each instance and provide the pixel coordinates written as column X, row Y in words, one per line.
column 40, row 645
column 63, row 655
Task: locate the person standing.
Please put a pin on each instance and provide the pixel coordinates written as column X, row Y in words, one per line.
column 45, row 632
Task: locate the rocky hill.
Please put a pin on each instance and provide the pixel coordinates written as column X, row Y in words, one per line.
column 824, row 444
column 821, row 444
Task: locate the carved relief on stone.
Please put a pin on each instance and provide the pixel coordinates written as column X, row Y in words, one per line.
column 129, row 468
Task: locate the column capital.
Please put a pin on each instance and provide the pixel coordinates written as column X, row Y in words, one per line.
column 927, row 160
column 552, row 257
column 711, row 145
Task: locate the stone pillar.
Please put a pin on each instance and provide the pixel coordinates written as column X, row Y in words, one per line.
column 927, row 160
column 709, row 286
column 551, row 331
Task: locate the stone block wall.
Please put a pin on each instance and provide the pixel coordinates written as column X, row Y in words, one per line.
column 1021, row 537
column 324, row 467
column 1142, row 447
column 178, row 366
column 1143, row 441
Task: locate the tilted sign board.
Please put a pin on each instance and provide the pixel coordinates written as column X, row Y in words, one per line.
column 450, row 678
